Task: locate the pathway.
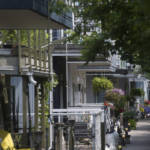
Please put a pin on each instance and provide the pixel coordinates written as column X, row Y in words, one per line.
column 140, row 138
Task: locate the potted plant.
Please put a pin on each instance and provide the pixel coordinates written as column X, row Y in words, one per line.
column 137, row 92
column 100, row 84
column 116, row 96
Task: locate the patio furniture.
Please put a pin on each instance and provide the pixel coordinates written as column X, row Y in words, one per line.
column 7, row 141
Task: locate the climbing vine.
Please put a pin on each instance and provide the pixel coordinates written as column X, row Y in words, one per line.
column 48, row 86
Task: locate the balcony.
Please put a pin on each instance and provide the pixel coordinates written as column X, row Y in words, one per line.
column 30, row 60
column 27, row 14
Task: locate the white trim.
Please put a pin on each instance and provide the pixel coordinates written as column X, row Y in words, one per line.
column 66, row 54
column 83, row 62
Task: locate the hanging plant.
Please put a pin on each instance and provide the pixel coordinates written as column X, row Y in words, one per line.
column 114, row 95
column 101, row 83
column 117, row 97
column 137, row 92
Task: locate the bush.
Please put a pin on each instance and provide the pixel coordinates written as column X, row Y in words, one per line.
column 129, row 115
column 101, row 83
column 137, row 92
column 132, row 124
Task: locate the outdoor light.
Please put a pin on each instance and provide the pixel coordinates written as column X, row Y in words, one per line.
column 123, row 135
column 119, row 146
column 126, row 129
column 129, row 124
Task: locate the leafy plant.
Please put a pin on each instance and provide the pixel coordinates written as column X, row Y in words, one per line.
column 101, row 83
column 132, row 124
column 137, row 92
column 114, row 95
column 48, row 85
column 129, row 115
column 123, row 29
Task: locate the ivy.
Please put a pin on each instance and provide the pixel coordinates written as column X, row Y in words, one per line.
column 48, row 86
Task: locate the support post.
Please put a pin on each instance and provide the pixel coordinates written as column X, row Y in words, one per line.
column 40, row 50
column 24, row 108
column 43, row 119
column 30, row 50
column 98, row 132
column 35, row 49
column 50, row 67
column 36, row 108
column 19, row 50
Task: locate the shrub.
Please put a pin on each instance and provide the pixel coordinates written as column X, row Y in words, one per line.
column 132, row 124
column 137, row 92
column 129, row 115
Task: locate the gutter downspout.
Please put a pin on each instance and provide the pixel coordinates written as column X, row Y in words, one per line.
column 31, row 79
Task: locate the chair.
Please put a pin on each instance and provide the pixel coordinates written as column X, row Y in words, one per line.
column 7, row 141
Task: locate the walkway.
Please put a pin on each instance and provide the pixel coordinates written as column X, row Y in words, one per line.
column 140, row 138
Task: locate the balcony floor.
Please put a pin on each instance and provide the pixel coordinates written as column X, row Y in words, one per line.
column 25, row 19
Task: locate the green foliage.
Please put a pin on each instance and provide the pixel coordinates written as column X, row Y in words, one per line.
column 101, row 83
column 113, row 96
column 119, row 106
column 137, row 92
column 129, row 115
column 118, row 26
column 58, row 6
column 10, row 37
column 132, row 124
column 48, row 87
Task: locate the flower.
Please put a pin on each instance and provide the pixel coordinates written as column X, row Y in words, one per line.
column 118, row 91
column 114, row 95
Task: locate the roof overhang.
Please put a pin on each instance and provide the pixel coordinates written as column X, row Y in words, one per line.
column 26, row 19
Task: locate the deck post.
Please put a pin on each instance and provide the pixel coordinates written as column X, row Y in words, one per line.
column 35, row 49
column 19, row 50
column 40, row 50
column 30, row 51
column 24, row 111
column 43, row 119
column 36, row 107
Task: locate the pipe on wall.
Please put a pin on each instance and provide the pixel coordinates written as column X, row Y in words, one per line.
column 31, row 78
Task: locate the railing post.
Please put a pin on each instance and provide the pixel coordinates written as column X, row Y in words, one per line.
column 35, row 49
column 40, row 50
column 43, row 118
column 30, row 51
column 19, row 50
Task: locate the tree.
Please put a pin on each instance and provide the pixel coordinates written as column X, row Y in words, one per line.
column 115, row 26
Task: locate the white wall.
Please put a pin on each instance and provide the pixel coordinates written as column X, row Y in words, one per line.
column 17, row 83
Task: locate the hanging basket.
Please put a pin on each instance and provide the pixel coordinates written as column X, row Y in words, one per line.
column 101, row 83
column 137, row 92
